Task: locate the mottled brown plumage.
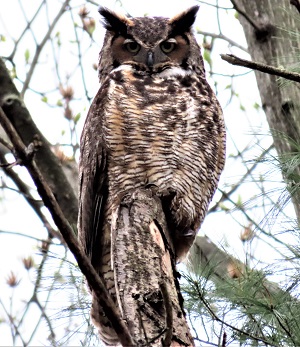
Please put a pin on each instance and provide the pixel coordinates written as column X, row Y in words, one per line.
column 155, row 121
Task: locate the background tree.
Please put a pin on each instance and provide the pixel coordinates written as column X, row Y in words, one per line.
column 233, row 295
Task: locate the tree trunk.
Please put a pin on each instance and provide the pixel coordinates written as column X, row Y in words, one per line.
column 270, row 42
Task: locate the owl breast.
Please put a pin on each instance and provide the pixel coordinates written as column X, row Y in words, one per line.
column 164, row 130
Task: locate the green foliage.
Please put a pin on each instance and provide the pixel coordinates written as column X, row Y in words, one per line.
column 77, row 117
column 254, row 310
column 27, row 56
column 207, row 56
column 242, row 108
column 256, row 106
column 58, row 39
column 289, row 164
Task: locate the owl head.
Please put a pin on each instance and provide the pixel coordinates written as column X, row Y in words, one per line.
column 149, row 44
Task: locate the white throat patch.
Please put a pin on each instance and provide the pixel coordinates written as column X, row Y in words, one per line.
column 174, row 71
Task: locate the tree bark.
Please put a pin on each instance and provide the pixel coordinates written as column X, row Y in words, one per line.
column 19, row 116
column 263, row 22
column 145, row 274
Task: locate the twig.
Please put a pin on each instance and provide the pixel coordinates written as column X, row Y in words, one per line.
column 244, row 14
column 232, row 59
column 11, row 321
column 222, row 37
column 6, row 144
column 216, row 6
column 25, row 191
column 226, row 195
column 63, row 225
column 39, row 48
column 79, row 54
column 218, row 319
column 14, row 233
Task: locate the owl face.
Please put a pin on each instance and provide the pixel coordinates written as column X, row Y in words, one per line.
column 148, row 44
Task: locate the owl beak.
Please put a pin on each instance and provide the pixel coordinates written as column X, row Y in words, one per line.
column 149, row 61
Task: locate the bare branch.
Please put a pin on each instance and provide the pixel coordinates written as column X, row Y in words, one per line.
column 40, row 47
column 232, row 59
column 25, row 191
column 223, row 37
column 245, row 15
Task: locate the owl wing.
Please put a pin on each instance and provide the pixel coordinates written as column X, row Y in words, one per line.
column 92, row 179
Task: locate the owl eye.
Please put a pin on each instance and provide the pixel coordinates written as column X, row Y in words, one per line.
column 132, row 46
column 168, row 46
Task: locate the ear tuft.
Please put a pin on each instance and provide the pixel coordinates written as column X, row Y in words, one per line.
column 115, row 22
column 182, row 22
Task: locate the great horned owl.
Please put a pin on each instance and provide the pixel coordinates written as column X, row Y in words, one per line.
column 154, row 121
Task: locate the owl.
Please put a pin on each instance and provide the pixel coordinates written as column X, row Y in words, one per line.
column 156, row 122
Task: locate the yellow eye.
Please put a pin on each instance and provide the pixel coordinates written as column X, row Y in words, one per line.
column 132, row 46
column 168, row 46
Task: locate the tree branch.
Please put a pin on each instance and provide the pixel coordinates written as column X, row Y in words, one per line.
column 95, row 282
column 39, row 48
column 245, row 15
column 24, row 190
column 20, row 118
column 222, row 37
column 232, row 59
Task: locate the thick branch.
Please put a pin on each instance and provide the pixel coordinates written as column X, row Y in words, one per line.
column 62, row 223
column 271, row 70
column 48, row 163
